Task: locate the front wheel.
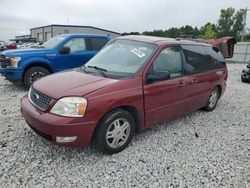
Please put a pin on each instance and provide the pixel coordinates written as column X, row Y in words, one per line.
column 213, row 99
column 114, row 132
column 34, row 74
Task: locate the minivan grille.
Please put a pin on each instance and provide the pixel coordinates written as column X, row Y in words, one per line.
column 38, row 99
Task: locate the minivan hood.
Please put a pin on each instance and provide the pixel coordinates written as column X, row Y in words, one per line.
column 71, row 83
column 21, row 52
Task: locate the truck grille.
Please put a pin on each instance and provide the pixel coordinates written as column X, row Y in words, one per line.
column 4, row 62
column 39, row 100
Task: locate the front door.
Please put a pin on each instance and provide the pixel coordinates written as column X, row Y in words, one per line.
column 164, row 98
column 78, row 55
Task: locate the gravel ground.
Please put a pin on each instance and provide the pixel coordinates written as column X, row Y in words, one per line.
column 200, row 149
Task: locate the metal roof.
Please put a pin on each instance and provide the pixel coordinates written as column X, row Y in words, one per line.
column 80, row 26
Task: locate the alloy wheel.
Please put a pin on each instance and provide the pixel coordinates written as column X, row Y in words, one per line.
column 213, row 99
column 118, row 133
column 35, row 76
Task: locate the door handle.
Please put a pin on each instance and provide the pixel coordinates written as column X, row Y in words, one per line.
column 195, row 80
column 181, row 83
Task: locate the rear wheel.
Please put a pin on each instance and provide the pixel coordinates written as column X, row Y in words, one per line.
column 213, row 99
column 114, row 132
column 34, row 74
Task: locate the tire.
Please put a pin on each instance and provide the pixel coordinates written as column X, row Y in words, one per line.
column 212, row 100
column 114, row 132
column 34, row 74
column 244, row 79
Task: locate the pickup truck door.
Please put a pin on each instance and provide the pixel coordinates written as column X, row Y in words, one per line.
column 164, row 99
column 78, row 55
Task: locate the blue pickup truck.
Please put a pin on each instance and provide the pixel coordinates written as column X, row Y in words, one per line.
column 59, row 53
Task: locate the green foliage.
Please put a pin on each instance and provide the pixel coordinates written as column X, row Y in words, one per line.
column 230, row 23
column 209, row 32
column 131, row 33
column 207, row 26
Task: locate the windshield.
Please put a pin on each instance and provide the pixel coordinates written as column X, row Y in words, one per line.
column 122, row 58
column 52, row 43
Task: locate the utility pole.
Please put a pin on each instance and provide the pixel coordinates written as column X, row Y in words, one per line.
column 244, row 23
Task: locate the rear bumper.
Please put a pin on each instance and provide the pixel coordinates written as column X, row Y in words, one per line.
column 51, row 126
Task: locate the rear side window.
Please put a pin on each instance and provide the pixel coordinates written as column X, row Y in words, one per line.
column 195, row 58
column 95, row 43
column 214, row 57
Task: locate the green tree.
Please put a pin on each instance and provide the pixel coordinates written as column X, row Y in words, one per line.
column 204, row 28
column 230, row 22
column 173, row 32
column 186, row 30
column 209, row 32
column 131, row 33
column 196, row 32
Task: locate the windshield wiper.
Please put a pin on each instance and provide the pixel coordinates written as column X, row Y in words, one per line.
column 99, row 69
column 84, row 68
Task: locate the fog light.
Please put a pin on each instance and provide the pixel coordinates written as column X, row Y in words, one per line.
column 65, row 139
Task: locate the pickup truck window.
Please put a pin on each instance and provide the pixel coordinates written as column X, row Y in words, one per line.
column 52, row 43
column 76, row 44
column 95, row 43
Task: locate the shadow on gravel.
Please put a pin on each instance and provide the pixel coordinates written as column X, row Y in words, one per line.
column 51, row 150
column 9, row 86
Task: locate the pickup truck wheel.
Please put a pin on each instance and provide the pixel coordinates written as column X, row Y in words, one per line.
column 34, row 74
column 114, row 132
column 213, row 99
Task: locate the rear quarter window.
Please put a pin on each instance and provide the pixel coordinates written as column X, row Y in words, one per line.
column 214, row 57
column 96, row 43
column 201, row 58
column 195, row 56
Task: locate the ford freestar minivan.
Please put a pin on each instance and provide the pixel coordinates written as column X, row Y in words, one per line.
column 133, row 83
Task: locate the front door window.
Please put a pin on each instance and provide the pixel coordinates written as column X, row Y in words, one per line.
column 76, row 45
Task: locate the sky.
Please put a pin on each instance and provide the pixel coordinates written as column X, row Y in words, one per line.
column 18, row 16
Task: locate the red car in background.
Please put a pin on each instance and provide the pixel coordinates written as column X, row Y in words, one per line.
column 10, row 45
column 133, row 83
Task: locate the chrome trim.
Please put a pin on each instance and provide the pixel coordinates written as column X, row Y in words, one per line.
column 34, row 104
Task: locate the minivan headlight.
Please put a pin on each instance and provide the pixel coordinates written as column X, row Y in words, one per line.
column 14, row 61
column 70, row 107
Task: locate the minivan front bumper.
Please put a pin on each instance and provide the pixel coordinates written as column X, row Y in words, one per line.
column 57, row 129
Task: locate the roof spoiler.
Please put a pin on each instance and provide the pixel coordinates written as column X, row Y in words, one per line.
column 225, row 44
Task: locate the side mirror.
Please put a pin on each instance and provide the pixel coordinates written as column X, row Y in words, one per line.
column 158, row 76
column 64, row 50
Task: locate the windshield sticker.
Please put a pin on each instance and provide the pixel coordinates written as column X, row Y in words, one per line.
column 138, row 52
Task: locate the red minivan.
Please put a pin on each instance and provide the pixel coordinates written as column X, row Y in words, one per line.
column 133, row 83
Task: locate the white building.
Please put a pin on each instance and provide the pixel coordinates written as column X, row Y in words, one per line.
column 44, row 33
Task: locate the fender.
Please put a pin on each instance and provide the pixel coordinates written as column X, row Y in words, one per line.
column 32, row 60
column 114, row 100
